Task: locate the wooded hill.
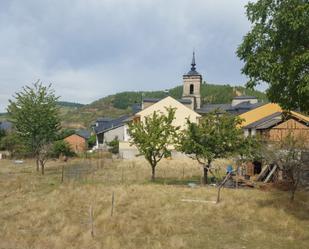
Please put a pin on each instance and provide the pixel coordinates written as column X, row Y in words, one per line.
column 120, row 103
column 75, row 115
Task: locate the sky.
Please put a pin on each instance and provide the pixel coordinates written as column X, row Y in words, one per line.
column 89, row 49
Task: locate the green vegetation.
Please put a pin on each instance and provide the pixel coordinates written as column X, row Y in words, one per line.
column 120, row 103
column 276, row 50
column 114, row 146
column 69, row 104
column 215, row 136
column 13, row 143
column 76, row 116
column 3, row 116
column 34, row 113
column 61, row 148
column 211, row 94
column 154, row 137
column 91, row 141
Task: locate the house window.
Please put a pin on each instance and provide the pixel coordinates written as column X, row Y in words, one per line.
column 191, row 89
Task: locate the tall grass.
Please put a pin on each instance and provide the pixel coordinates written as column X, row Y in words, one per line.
column 40, row 212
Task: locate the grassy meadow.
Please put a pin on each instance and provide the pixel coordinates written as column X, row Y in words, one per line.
column 40, row 212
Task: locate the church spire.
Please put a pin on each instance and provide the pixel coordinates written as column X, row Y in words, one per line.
column 193, row 62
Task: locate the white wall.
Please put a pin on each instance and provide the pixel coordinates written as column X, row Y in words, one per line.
column 112, row 134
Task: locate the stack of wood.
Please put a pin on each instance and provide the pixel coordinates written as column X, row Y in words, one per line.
column 269, row 173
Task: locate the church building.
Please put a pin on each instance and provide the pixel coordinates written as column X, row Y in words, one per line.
column 190, row 106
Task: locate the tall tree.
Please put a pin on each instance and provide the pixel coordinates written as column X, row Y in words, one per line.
column 276, row 50
column 34, row 113
column 215, row 136
column 154, row 137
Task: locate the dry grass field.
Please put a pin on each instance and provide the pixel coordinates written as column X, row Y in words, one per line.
column 40, row 212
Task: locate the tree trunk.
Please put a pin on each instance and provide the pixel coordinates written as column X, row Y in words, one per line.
column 153, row 172
column 62, row 173
column 42, row 167
column 37, row 165
column 292, row 194
column 293, row 190
column 205, row 168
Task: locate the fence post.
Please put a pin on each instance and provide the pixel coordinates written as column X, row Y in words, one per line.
column 113, row 200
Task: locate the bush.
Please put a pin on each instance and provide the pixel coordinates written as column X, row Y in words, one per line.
column 61, row 147
column 114, row 146
column 91, row 141
column 15, row 145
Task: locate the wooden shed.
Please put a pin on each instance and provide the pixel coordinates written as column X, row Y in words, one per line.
column 279, row 125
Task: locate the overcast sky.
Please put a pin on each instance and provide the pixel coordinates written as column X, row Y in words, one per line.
column 91, row 48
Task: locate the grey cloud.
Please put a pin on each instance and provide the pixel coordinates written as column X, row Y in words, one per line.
column 89, row 49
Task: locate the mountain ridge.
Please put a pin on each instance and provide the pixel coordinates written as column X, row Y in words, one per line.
column 76, row 115
column 118, row 104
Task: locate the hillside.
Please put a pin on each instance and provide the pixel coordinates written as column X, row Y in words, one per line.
column 120, row 103
column 75, row 115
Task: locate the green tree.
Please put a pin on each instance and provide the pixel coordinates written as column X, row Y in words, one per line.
column 215, row 136
column 154, row 136
column 61, row 147
column 276, row 50
column 249, row 148
column 114, row 146
column 13, row 143
column 34, row 113
column 92, row 141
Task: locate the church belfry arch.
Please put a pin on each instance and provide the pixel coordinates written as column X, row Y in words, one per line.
column 192, row 85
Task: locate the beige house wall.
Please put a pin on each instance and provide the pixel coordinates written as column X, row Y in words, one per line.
column 238, row 101
column 181, row 114
column 128, row 151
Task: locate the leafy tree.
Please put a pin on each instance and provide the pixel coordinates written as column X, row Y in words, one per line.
column 13, row 143
column 61, row 147
column 215, row 136
column 92, row 141
column 249, row 148
column 154, row 136
column 34, row 113
column 276, row 50
column 114, row 146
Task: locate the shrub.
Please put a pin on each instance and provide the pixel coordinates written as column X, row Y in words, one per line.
column 114, row 146
column 61, row 147
column 15, row 145
column 91, row 141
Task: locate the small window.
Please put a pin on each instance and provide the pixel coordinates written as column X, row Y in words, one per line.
column 191, row 89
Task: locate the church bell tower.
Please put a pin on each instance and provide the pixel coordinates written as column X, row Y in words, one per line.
column 192, row 86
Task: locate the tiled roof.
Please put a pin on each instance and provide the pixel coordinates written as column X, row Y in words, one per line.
column 245, row 97
column 83, row 133
column 103, row 125
column 236, row 110
column 266, row 122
